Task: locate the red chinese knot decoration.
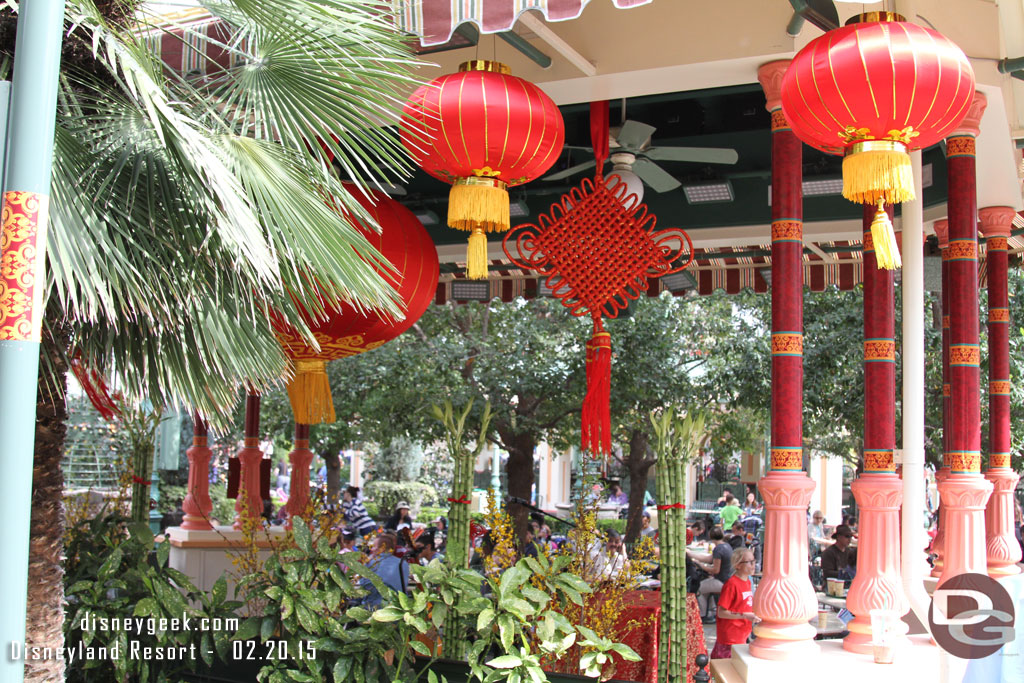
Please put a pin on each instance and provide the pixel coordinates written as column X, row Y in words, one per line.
column 874, row 90
column 483, row 131
column 344, row 330
column 597, row 247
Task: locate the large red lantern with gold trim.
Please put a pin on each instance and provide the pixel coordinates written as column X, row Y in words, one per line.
column 874, row 90
column 344, row 330
column 482, row 130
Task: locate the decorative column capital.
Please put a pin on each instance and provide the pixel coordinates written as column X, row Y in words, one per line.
column 971, row 125
column 941, row 228
column 996, row 221
column 770, row 75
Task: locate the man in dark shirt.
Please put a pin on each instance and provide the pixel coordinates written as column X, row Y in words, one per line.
column 839, row 561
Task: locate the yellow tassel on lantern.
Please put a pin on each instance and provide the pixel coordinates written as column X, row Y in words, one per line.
column 476, row 255
column 479, row 205
column 878, row 170
column 309, row 392
column 887, row 252
column 479, row 202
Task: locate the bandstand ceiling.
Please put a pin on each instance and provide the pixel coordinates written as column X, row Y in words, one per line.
column 690, row 70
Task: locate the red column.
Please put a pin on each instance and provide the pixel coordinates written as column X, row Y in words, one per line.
column 197, row 504
column 965, row 492
column 249, row 503
column 878, row 491
column 785, row 599
column 1002, row 548
column 298, row 491
column 938, row 545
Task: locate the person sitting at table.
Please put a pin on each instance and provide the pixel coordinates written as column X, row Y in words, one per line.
column 393, row 571
column 723, row 499
column 735, row 606
column 700, row 531
column 731, row 512
column 616, row 495
column 851, row 521
column 816, row 540
column 645, row 526
column 751, row 506
column 717, row 565
column 737, row 535
column 839, row 561
column 606, row 561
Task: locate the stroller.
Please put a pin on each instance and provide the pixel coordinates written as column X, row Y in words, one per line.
column 752, row 525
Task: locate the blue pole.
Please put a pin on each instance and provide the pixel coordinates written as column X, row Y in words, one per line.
column 22, row 282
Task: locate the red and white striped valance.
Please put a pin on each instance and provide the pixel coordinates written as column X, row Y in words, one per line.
column 434, row 21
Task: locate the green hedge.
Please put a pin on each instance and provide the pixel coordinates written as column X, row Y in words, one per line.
column 386, row 494
column 617, row 524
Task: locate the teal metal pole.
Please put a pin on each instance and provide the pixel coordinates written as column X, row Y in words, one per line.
column 22, row 280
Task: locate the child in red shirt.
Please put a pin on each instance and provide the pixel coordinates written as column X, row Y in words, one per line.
column 735, row 606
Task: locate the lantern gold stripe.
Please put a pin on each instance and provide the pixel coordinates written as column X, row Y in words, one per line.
column 835, row 83
column 913, row 89
column 544, row 127
column 504, row 143
column 462, row 124
column 867, row 75
column 441, row 119
column 483, row 100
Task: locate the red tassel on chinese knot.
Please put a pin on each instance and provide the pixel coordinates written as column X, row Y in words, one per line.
column 597, row 432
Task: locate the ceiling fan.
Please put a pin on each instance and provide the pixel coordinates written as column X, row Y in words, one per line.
column 630, row 148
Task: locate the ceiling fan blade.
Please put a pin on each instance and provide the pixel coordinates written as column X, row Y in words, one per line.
column 655, row 176
column 633, row 134
column 706, row 155
column 572, row 170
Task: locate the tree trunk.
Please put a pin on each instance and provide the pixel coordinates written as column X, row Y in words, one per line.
column 333, row 462
column 45, row 613
column 520, row 475
column 638, row 464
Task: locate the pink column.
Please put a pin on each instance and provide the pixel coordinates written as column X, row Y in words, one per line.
column 878, row 491
column 965, row 492
column 938, row 545
column 784, row 599
column 249, row 503
column 1002, row 548
column 197, row 504
column 300, row 457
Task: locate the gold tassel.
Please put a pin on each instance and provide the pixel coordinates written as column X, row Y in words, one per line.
column 310, row 393
column 878, row 171
column 476, row 255
column 887, row 253
column 479, row 204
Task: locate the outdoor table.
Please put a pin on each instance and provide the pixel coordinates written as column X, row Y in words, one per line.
column 644, row 607
column 833, row 628
column 831, row 601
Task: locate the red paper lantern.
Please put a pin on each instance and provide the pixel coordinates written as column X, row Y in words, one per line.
column 345, row 330
column 874, row 90
column 482, row 130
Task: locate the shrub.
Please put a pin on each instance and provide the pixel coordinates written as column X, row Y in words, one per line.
column 386, row 494
column 617, row 524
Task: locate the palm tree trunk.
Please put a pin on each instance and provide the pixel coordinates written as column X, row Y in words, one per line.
column 45, row 613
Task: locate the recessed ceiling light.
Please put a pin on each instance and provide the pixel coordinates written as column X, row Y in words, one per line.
column 471, row 290
column 518, row 209
column 426, row 217
column 709, row 193
column 679, row 282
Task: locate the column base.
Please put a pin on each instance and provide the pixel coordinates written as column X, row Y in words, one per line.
column 196, row 523
column 859, row 640
column 783, row 641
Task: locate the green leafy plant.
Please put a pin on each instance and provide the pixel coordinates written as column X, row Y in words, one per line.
column 310, row 614
column 115, row 571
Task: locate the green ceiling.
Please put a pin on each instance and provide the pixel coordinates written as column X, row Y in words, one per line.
column 720, row 117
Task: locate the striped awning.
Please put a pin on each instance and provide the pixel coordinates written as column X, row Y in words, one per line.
column 434, row 21
column 729, row 269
